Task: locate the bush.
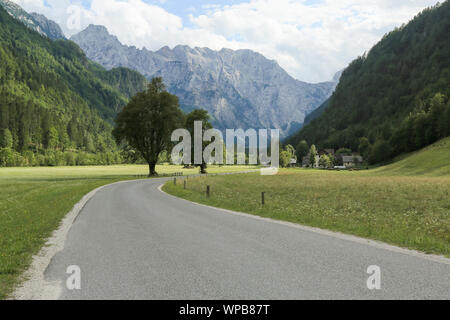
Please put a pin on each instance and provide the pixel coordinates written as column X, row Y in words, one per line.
column 285, row 159
column 19, row 160
column 30, row 158
column 70, row 159
column 40, row 160
column 325, row 162
column 6, row 157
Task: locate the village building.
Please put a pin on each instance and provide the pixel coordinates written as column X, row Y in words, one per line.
column 351, row 161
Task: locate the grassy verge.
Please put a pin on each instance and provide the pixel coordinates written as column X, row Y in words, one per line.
column 433, row 161
column 412, row 212
column 33, row 201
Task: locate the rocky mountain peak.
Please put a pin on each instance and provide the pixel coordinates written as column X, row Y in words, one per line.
column 34, row 21
column 240, row 89
column 50, row 28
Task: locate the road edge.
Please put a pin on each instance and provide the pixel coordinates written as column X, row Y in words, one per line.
column 334, row 234
column 33, row 285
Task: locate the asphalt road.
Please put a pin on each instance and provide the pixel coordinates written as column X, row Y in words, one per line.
column 131, row 241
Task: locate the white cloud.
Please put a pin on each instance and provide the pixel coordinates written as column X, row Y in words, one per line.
column 310, row 41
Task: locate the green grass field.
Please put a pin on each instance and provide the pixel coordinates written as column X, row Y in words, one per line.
column 431, row 161
column 406, row 203
column 412, row 212
column 33, row 202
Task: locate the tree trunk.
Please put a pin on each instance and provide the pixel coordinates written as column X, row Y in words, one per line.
column 152, row 170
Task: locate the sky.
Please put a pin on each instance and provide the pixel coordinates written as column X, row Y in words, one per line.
column 310, row 39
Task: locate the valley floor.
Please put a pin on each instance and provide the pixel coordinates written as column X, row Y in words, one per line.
column 408, row 211
column 33, row 202
column 406, row 203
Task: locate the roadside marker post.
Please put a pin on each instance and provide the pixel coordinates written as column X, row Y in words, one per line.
column 208, row 191
column 184, row 184
column 263, row 200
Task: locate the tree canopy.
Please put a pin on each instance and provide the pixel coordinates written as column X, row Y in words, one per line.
column 147, row 122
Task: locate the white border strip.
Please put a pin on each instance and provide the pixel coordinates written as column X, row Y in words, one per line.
column 338, row 235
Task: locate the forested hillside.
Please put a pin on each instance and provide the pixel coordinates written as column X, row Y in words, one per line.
column 316, row 113
column 396, row 97
column 34, row 21
column 56, row 106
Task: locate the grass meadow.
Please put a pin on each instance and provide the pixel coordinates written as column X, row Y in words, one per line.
column 408, row 211
column 433, row 161
column 406, row 203
column 33, row 202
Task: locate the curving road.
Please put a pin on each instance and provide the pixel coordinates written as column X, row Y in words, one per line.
column 131, row 241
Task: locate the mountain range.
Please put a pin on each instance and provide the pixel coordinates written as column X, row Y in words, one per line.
column 239, row 89
column 34, row 21
column 392, row 100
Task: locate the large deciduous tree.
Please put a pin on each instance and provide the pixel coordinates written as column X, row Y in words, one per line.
column 147, row 122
